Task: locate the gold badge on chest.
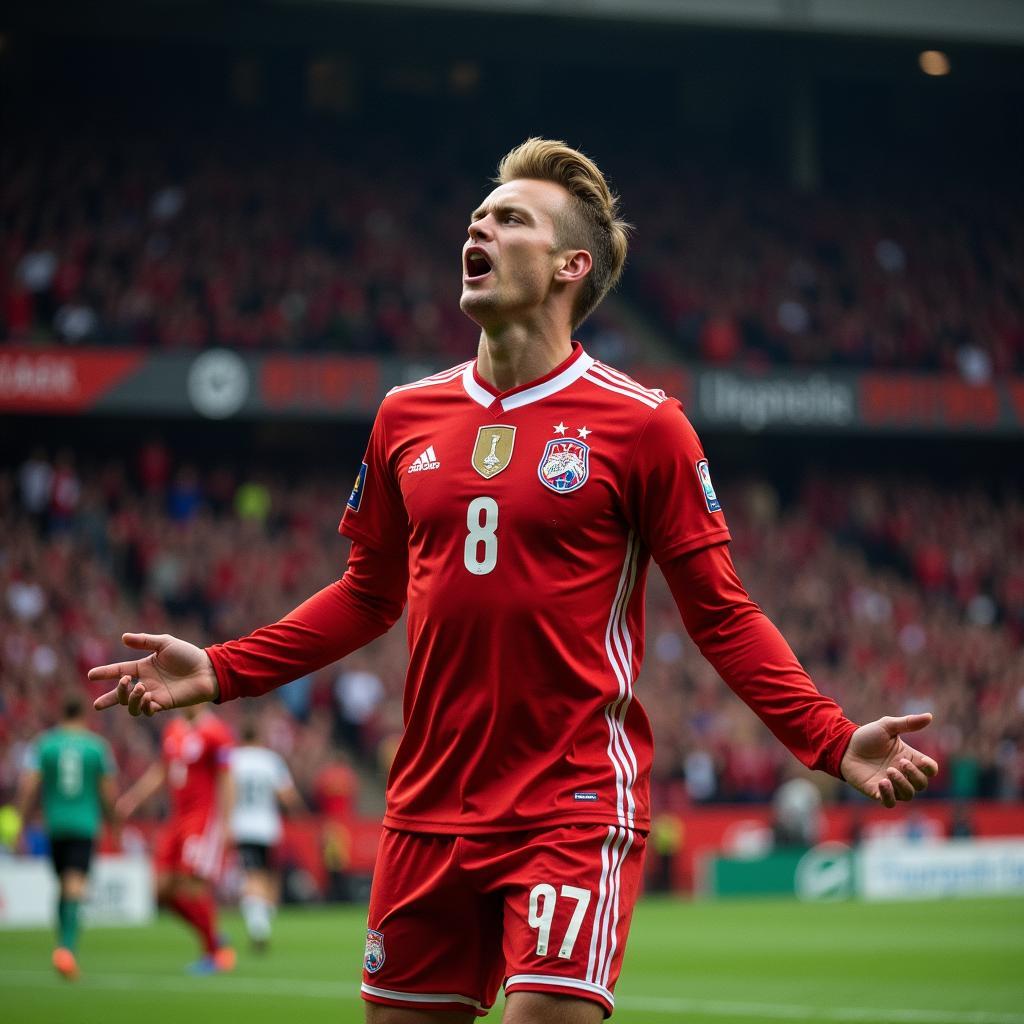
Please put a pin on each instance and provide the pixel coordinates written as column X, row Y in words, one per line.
column 493, row 450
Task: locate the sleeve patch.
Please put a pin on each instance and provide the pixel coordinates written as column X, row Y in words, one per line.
column 710, row 498
column 356, row 497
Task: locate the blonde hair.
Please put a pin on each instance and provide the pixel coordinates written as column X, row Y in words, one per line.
column 590, row 221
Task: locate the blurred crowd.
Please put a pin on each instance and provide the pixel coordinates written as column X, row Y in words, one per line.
column 131, row 246
column 743, row 272
column 896, row 599
column 198, row 244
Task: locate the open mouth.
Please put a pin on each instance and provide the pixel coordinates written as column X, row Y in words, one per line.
column 477, row 265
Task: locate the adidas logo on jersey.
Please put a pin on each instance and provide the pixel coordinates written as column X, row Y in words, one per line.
column 426, row 460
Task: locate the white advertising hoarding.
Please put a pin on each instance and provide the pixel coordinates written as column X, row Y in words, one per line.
column 120, row 892
column 899, row 869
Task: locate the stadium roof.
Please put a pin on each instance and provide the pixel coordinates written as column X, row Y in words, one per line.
column 991, row 21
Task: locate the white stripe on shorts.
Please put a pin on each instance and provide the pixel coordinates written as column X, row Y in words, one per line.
column 547, row 979
column 419, row 997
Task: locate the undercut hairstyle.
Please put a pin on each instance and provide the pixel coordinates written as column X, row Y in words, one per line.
column 590, row 220
column 72, row 707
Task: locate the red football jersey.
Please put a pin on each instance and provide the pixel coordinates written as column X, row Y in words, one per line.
column 195, row 753
column 530, row 518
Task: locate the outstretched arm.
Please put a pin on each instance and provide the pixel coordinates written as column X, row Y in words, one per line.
column 340, row 619
column 881, row 764
column 750, row 654
column 174, row 675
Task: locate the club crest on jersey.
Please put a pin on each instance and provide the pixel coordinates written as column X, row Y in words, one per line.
column 373, row 958
column 710, row 498
column 565, row 465
column 493, row 449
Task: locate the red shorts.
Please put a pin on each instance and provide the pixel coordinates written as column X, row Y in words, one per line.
column 452, row 917
column 190, row 846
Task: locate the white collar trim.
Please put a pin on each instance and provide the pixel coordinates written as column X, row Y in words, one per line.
column 479, row 395
column 483, row 397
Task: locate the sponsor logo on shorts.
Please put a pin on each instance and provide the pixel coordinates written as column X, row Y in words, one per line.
column 373, row 958
column 587, row 796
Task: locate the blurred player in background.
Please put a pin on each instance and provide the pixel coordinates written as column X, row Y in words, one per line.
column 797, row 814
column 72, row 770
column 515, row 502
column 260, row 781
column 336, row 793
column 195, row 757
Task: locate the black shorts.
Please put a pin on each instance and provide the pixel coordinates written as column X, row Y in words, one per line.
column 254, row 856
column 71, row 852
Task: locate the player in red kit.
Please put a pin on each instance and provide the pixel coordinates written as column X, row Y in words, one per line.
column 514, row 504
column 195, row 751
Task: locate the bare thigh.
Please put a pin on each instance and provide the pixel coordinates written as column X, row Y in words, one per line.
column 521, row 1008
column 538, row 1008
column 378, row 1014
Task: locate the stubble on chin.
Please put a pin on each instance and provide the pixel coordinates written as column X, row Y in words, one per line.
column 476, row 306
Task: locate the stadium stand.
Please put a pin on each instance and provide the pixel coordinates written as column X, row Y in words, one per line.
column 908, row 597
column 741, row 272
column 194, row 243
column 177, row 223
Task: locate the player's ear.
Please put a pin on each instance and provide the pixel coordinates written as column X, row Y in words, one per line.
column 575, row 264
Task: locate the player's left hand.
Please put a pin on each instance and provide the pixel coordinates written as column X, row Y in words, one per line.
column 882, row 766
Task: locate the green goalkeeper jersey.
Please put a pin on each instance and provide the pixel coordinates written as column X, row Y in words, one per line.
column 71, row 762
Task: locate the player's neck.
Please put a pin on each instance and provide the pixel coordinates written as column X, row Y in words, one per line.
column 517, row 355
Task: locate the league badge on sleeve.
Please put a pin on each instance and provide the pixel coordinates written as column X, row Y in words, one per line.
column 565, row 465
column 710, row 498
column 357, row 489
column 373, row 958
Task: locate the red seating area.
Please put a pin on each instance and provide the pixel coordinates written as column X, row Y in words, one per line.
column 190, row 243
column 897, row 599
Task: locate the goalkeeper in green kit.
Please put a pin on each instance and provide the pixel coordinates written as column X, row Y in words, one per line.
column 71, row 771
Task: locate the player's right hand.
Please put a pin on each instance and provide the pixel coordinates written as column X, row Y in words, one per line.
column 175, row 675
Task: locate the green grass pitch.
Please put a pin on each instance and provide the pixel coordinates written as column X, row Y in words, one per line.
column 751, row 962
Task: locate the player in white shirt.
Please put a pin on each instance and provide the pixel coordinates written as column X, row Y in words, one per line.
column 261, row 784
